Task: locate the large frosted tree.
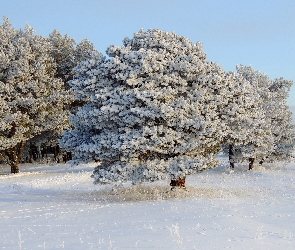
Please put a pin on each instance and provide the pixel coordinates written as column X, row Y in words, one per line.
column 153, row 110
column 32, row 99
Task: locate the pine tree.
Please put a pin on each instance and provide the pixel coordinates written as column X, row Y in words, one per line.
column 273, row 138
column 283, row 131
column 32, row 100
column 67, row 54
column 63, row 49
column 248, row 128
column 153, row 110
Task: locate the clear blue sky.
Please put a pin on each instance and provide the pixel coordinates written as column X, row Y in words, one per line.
column 256, row 32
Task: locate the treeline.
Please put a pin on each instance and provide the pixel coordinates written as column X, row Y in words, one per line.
column 35, row 95
column 158, row 108
column 154, row 108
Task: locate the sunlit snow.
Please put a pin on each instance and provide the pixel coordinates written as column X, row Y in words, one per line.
column 58, row 207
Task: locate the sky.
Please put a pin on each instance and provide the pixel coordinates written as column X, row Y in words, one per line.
column 260, row 33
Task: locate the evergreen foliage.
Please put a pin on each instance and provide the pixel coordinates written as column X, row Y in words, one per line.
column 156, row 109
column 32, row 99
column 273, row 139
column 67, row 54
column 153, row 110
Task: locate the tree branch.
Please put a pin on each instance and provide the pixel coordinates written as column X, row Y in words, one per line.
column 5, row 158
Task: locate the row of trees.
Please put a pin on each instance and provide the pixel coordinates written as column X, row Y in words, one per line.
column 35, row 97
column 155, row 107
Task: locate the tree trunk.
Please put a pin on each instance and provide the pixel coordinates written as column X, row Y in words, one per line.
column 14, row 168
column 231, row 157
column 12, row 156
column 251, row 163
column 180, row 182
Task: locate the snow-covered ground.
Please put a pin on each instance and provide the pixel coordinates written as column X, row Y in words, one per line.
column 58, row 207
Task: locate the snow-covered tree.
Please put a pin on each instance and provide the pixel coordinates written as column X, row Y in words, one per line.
column 245, row 119
column 153, row 110
column 32, row 100
column 84, row 51
column 283, row 129
column 85, row 77
column 272, row 137
column 67, row 54
column 63, row 54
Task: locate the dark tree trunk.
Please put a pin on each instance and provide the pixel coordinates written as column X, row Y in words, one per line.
column 251, row 163
column 12, row 156
column 231, row 156
column 178, row 183
column 14, row 168
column 67, row 157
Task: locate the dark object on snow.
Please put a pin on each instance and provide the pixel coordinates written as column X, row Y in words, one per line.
column 251, row 163
column 231, row 157
column 178, row 183
column 33, row 151
column 67, row 157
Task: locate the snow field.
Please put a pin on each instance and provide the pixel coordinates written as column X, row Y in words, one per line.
column 58, row 207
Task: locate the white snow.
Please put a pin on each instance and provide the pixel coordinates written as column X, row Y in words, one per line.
column 58, row 207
